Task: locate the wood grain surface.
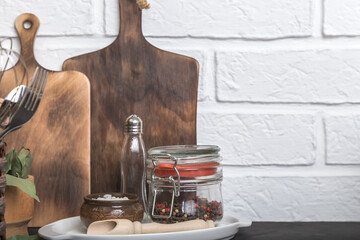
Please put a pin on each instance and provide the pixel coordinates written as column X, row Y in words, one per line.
column 132, row 76
column 2, row 190
column 58, row 134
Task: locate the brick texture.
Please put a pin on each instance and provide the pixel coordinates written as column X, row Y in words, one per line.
column 260, row 139
column 279, row 90
column 56, row 17
column 306, row 76
column 257, row 19
column 295, row 198
column 343, row 139
column 341, row 18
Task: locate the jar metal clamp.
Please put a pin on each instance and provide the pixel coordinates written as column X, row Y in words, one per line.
column 175, row 183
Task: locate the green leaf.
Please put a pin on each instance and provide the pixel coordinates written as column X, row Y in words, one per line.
column 16, row 166
column 21, row 237
column 24, row 184
column 22, row 153
column 9, row 157
column 26, row 159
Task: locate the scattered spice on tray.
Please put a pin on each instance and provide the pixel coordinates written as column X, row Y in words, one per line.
column 198, row 208
column 110, row 197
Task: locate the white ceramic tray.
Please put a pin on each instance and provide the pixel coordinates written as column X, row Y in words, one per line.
column 72, row 229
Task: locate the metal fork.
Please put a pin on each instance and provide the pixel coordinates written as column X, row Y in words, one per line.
column 28, row 104
column 11, row 103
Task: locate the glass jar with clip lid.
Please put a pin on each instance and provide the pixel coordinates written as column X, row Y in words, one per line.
column 184, row 183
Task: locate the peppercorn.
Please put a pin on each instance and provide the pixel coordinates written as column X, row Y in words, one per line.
column 200, row 209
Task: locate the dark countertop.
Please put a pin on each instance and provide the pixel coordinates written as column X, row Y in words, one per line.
column 294, row 231
column 300, row 231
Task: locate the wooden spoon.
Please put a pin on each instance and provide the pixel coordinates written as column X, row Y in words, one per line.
column 125, row 226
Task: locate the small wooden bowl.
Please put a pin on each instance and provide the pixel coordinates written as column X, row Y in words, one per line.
column 96, row 210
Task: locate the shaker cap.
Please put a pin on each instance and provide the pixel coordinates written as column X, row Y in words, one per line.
column 133, row 124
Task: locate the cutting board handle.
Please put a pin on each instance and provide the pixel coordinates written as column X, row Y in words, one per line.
column 27, row 25
column 130, row 20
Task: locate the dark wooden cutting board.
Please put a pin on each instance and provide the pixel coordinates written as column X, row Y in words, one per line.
column 132, row 76
column 58, row 135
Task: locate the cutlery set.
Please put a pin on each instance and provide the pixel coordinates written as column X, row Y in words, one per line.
column 27, row 99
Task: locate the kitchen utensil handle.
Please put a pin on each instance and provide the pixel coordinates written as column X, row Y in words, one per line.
column 27, row 25
column 125, row 226
column 130, row 21
column 176, row 227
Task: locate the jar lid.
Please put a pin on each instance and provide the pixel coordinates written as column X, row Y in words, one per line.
column 185, row 150
column 190, row 161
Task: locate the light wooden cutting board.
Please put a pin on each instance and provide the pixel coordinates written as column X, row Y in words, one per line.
column 58, row 135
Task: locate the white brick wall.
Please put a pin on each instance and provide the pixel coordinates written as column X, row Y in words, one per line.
column 293, row 197
column 315, row 76
column 261, row 139
column 241, row 18
column 279, row 90
column 342, row 140
column 341, row 17
column 57, row 17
